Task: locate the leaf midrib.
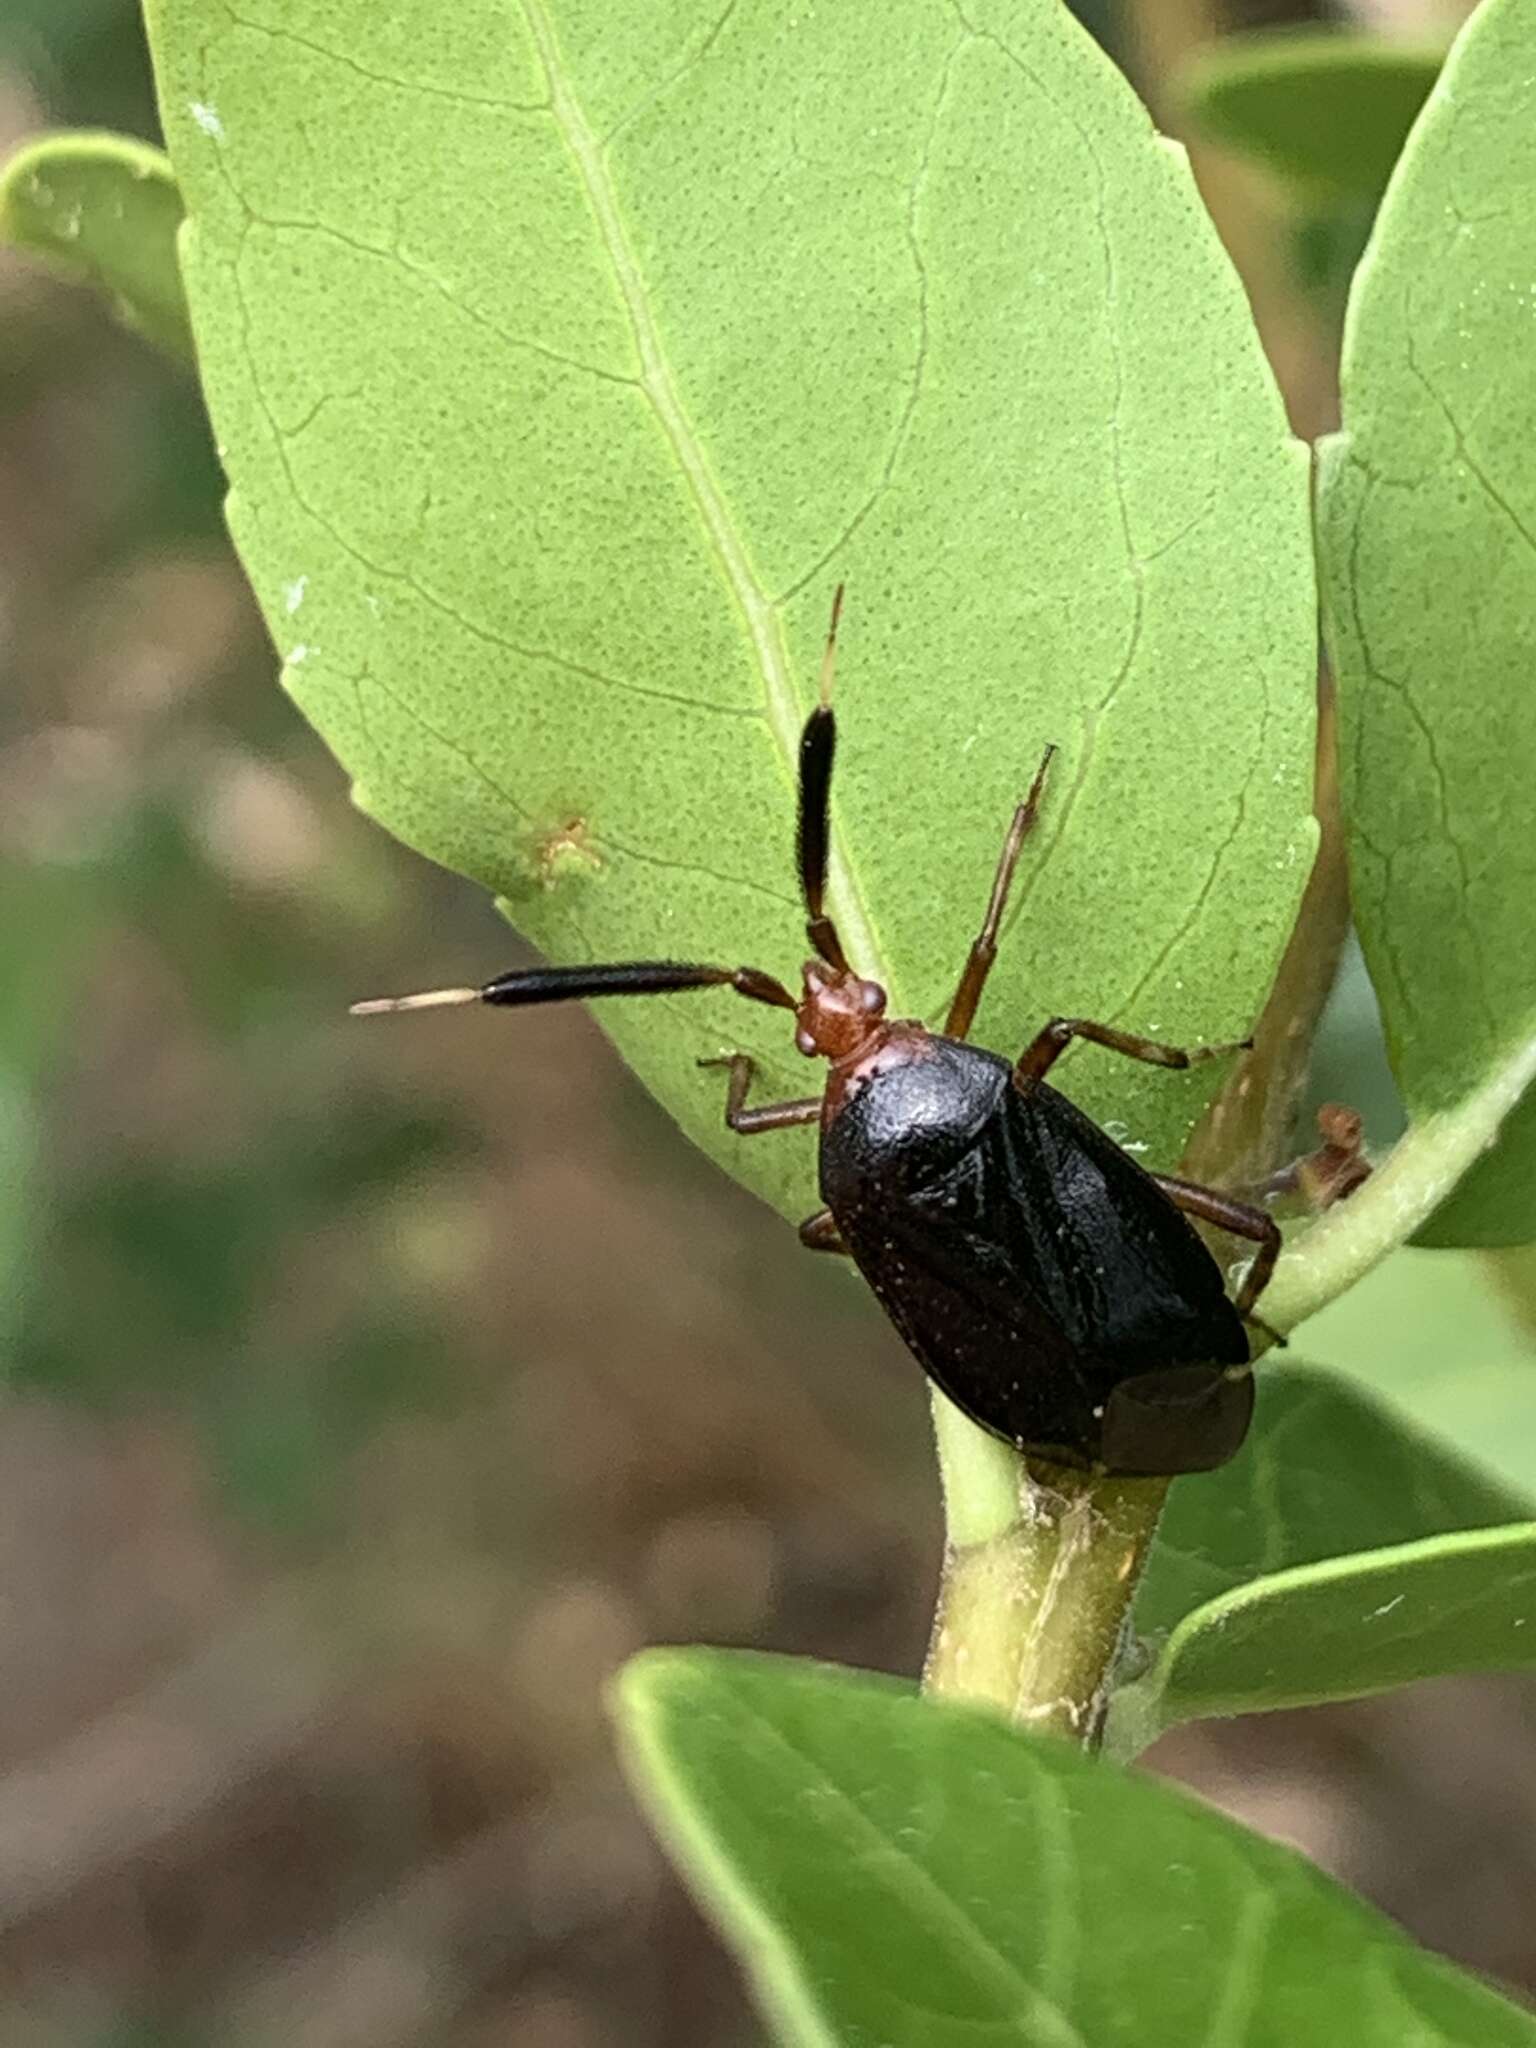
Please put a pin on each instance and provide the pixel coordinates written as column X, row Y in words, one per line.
column 784, row 710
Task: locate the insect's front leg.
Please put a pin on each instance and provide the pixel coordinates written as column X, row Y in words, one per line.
column 769, row 1116
column 1243, row 1220
column 1047, row 1047
column 978, row 964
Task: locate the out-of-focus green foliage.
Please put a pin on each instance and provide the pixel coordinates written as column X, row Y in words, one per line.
column 103, row 210
column 1440, row 1337
column 85, row 59
column 162, row 1277
column 1326, row 110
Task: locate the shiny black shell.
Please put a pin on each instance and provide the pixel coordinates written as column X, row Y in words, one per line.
column 1038, row 1275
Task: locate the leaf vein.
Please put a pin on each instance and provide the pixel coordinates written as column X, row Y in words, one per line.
column 674, row 77
column 992, row 1970
column 756, row 607
column 454, row 96
column 1094, row 715
column 903, row 427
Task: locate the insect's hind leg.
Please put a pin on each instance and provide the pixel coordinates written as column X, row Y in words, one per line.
column 1243, row 1220
column 978, row 963
column 768, row 1116
column 1048, row 1045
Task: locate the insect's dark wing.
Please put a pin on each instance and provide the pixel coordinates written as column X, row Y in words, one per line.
column 1055, row 1294
column 1118, row 1268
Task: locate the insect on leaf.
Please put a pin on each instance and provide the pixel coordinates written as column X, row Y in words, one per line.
column 565, row 356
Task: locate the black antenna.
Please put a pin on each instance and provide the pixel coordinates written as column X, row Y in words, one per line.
column 818, row 746
column 567, row 984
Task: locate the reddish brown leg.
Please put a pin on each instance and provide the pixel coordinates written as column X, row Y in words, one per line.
column 769, row 1116
column 1242, row 1219
column 978, row 965
column 1047, row 1047
column 819, row 1233
column 1331, row 1173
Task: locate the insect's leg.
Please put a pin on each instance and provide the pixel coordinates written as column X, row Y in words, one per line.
column 768, row 1116
column 1242, row 1219
column 1332, row 1172
column 819, row 1233
column 1047, row 1047
column 978, row 964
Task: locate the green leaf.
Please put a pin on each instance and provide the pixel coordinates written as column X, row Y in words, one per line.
column 1332, row 1491
column 1435, row 1339
column 1360, row 1624
column 103, row 210
column 1326, row 1471
column 1327, row 109
column 892, row 1871
column 1427, row 538
column 565, row 355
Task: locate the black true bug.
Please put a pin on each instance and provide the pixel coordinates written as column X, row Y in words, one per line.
column 1048, row 1284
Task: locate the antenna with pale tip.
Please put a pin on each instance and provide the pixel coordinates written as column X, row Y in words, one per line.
column 429, row 999
column 562, row 984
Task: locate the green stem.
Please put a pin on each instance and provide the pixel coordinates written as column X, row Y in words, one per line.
column 1039, row 1573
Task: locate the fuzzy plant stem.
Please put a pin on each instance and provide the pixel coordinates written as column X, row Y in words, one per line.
column 1040, row 1568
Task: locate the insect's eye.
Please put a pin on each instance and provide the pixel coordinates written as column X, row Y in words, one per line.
column 871, row 996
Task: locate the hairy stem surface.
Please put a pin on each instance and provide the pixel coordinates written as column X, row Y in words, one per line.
column 1039, row 1574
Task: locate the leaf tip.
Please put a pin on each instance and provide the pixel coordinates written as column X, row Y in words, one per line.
column 645, row 1682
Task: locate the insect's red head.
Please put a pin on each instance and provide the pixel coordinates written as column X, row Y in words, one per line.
column 838, row 1011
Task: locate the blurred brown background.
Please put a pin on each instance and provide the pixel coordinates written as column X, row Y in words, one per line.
column 373, row 1392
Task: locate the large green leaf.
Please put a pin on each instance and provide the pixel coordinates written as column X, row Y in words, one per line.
column 1428, row 546
column 1327, row 109
column 565, row 354
column 1331, row 1493
column 103, row 210
column 892, row 1872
